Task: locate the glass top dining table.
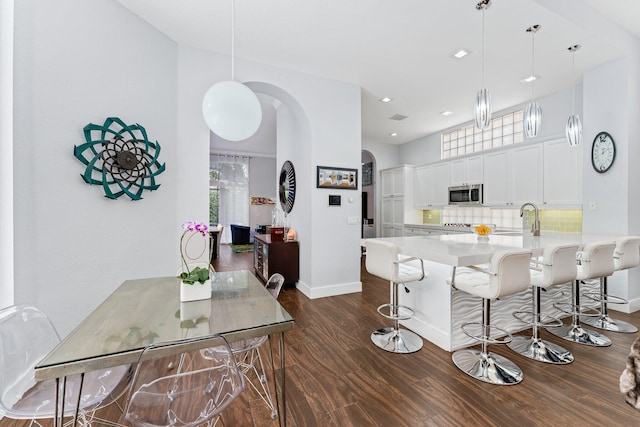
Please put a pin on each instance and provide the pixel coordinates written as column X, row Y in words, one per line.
column 145, row 311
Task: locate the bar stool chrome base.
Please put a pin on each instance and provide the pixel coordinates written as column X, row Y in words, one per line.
column 608, row 324
column 488, row 367
column 397, row 341
column 578, row 334
column 542, row 351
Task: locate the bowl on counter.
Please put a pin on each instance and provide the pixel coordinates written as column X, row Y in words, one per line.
column 483, row 231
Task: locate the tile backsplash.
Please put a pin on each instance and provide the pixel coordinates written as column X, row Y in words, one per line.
column 558, row 220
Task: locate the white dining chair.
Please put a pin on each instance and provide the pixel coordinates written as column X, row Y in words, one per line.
column 26, row 336
column 173, row 385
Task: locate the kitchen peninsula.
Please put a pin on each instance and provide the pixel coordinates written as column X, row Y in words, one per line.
column 440, row 310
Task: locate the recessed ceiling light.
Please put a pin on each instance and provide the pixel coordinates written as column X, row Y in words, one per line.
column 530, row 79
column 393, row 134
column 385, row 99
column 446, row 113
column 460, row 53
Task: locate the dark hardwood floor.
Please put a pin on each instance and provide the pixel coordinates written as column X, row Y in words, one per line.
column 337, row 377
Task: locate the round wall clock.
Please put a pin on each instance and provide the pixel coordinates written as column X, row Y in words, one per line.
column 287, row 187
column 603, row 152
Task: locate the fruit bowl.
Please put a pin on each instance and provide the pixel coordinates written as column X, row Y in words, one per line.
column 483, row 231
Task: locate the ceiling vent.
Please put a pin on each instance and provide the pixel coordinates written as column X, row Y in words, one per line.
column 398, row 117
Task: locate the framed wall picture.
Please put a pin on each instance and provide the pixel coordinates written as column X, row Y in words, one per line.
column 367, row 174
column 340, row 178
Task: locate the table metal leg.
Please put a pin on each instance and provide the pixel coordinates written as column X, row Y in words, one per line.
column 282, row 411
column 75, row 416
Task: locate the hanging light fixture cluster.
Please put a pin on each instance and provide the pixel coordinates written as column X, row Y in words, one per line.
column 533, row 112
column 230, row 109
column 482, row 109
column 573, row 129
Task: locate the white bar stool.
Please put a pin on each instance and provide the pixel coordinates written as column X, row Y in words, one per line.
column 507, row 274
column 558, row 265
column 382, row 260
column 594, row 261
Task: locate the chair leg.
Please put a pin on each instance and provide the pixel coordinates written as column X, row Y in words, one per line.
column 576, row 333
column 535, row 348
column 252, row 361
column 482, row 365
column 604, row 321
column 394, row 339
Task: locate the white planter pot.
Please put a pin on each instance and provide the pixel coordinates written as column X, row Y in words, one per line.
column 195, row 292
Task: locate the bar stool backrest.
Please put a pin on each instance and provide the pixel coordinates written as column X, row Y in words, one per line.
column 559, row 265
column 510, row 273
column 382, row 261
column 627, row 252
column 596, row 260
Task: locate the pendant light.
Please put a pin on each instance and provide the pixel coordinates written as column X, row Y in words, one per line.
column 573, row 129
column 533, row 112
column 230, row 109
column 482, row 109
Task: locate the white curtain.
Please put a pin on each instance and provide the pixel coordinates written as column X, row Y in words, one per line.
column 233, row 185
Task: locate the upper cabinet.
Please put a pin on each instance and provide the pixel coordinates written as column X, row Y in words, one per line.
column 466, row 171
column 393, row 182
column 397, row 200
column 431, row 185
column 562, row 174
column 513, row 177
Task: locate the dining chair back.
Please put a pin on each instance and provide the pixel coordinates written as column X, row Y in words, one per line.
column 173, row 385
column 274, row 284
column 26, row 336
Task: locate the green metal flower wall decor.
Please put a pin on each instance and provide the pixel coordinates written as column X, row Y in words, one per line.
column 120, row 158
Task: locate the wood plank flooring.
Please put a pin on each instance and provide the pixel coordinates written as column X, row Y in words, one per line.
column 337, row 377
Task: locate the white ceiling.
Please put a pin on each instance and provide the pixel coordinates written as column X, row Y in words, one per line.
column 402, row 49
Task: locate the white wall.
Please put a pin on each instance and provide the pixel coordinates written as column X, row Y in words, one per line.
column 6, row 153
column 332, row 136
column 262, row 183
column 73, row 246
column 556, row 108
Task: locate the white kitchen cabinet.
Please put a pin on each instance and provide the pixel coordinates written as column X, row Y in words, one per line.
column 398, row 200
column 562, row 174
column 514, row 176
column 393, row 181
column 466, row 171
column 431, row 185
column 496, row 179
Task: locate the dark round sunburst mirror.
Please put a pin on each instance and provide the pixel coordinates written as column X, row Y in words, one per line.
column 287, row 187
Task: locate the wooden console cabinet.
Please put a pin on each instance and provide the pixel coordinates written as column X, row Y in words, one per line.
column 271, row 257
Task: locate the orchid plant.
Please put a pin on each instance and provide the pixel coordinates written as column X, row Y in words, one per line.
column 198, row 274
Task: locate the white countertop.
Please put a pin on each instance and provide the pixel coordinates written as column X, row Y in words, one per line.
column 464, row 249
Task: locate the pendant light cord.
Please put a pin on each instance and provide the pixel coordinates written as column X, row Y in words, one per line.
column 533, row 62
column 483, row 85
column 573, row 91
column 233, row 38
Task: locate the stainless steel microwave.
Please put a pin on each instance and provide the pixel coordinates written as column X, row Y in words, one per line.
column 470, row 195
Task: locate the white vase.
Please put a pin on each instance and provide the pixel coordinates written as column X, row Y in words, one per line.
column 195, row 292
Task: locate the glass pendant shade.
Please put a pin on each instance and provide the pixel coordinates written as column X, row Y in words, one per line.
column 232, row 110
column 482, row 109
column 532, row 119
column 573, row 130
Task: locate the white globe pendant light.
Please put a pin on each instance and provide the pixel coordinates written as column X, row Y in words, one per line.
column 482, row 107
column 232, row 110
column 533, row 112
column 573, row 129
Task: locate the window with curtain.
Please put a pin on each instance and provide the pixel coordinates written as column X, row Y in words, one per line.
column 229, row 189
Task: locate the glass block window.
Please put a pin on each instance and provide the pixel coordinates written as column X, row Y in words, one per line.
column 504, row 130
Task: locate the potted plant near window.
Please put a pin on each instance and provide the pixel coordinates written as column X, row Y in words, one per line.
column 195, row 247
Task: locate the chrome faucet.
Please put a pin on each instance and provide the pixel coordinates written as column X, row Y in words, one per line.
column 535, row 228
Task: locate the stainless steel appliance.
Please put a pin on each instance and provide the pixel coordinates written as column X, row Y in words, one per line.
column 469, row 195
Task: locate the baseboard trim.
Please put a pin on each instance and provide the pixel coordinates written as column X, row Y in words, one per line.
column 631, row 307
column 328, row 291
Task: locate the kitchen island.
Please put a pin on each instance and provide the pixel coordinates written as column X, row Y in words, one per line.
column 440, row 310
